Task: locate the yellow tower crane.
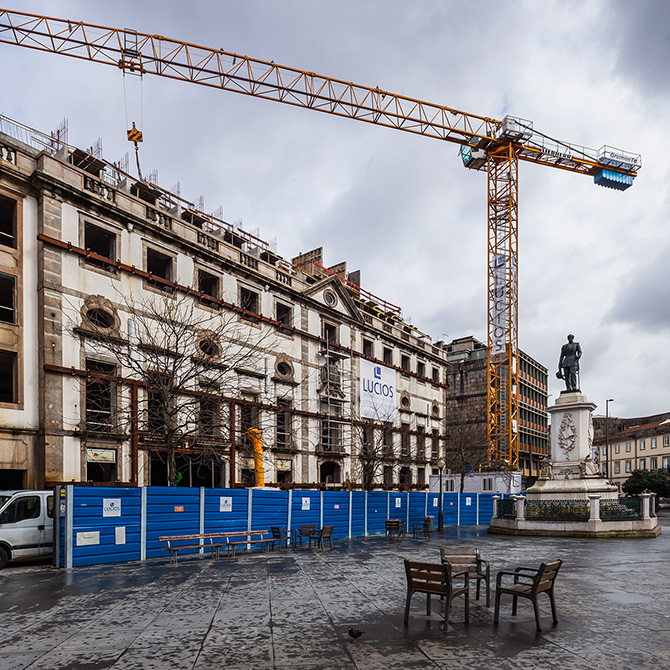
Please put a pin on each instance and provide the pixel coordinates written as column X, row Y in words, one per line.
column 486, row 144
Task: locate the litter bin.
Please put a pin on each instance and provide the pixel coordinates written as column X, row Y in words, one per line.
column 430, row 523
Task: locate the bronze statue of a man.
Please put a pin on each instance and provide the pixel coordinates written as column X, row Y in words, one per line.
column 568, row 364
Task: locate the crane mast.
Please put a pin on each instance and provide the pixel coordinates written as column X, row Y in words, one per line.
column 488, row 144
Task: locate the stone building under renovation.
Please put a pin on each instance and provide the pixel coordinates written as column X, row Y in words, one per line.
column 145, row 341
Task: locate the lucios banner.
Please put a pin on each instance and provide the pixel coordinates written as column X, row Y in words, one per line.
column 378, row 396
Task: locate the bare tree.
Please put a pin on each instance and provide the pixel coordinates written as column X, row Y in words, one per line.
column 184, row 357
column 466, row 449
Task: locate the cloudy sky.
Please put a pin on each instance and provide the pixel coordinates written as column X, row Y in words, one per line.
column 401, row 208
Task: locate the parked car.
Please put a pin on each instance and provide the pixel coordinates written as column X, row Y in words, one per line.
column 26, row 524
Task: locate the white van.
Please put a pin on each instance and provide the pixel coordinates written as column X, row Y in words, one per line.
column 26, row 524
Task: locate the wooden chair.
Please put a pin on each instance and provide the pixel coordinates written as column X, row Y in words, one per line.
column 304, row 532
column 436, row 579
column 278, row 536
column 326, row 533
column 468, row 558
column 394, row 527
column 528, row 583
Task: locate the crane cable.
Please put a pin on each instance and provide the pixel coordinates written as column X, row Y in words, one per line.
column 135, row 134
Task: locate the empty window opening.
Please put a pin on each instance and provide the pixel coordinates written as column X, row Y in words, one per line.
column 405, row 362
column 284, row 423
column 8, row 377
column 436, row 375
column 99, row 397
column 421, row 368
column 209, row 411
column 330, row 333
column 388, row 356
column 208, row 346
column 7, row 223
column 159, row 265
column 100, row 318
column 208, row 284
column 7, row 299
column 368, row 348
column 249, row 301
column 284, row 314
column 101, row 242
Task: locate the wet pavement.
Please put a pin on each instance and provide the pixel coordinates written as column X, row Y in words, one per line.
column 292, row 609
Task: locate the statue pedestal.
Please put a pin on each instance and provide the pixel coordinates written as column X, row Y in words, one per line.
column 571, row 493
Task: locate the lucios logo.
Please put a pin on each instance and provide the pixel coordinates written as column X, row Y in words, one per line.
column 376, row 387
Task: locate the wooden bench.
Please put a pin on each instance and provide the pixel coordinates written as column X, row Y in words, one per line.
column 468, row 558
column 248, row 537
column 193, row 541
column 528, row 583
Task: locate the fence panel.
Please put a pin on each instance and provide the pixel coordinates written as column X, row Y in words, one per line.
column 269, row 507
column 226, row 510
column 106, row 525
column 377, row 512
column 306, row 508
column 450, row 509
column 417, row 508
column 358, row 514
column 171, row 511
column 336, row 512
column 485, row 508
column 468, row 502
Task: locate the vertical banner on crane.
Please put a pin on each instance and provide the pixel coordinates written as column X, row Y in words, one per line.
column 503, row 272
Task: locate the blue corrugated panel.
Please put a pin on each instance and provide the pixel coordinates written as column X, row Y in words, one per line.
column 300, row 515
column 417, row 501
column 377, row 512
column 468, row 509
column 611, row 179
column 450, row 509
column 398, row 506
column 225, row 510
column 336, row 512
column 92, row 521
column 485, row 508
column 171, row 511
column 269, row 507
column 358, row 513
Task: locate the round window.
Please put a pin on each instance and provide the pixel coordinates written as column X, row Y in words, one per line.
column 284, row 369
column 208, row 347
column 100, row 318
column 404, row 401
column 330, row 298
column 436, row 409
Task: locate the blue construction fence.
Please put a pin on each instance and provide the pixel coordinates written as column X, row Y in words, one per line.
column 110, row 525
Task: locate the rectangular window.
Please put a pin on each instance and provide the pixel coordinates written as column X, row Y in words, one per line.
column 642, row 445
column 421, row 476
column 666, row 440
column 7, row 223
column 159, row 265
column 7, row 298
column 8, row 377
column 284, row 423
column 100, row 396
column 405, row 362
column 487, row 484
column 628, row 466
column 388, row 475
column 617, row 448
column 368, row 348
column 284, row 314
column 617, row 468
column 248, row 413
column 653, row 443
column 100, row 241
column 387, row 437
column 249, row 301
column 643, row 464
column 420, row 443
column 435, row 446
column 388, row 356
column 653, row 463
column 627, row 446
column 404, row 440
column 330, row 332
column 209, row 410
column 605, row 450
column 436, row 375
column 421, row 368
column 208, row 284
column 666, row 462
column 160, row 399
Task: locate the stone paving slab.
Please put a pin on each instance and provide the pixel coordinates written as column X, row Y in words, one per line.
column 293, row 610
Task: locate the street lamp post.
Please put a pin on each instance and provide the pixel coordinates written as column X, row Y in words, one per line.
column 609, row 460
column 440, row 513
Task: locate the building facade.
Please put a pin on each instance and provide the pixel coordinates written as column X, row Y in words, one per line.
column 466, row 406
column 625, row 445
column 144, row 341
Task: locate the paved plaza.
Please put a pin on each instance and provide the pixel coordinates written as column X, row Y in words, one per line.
column 292, row 609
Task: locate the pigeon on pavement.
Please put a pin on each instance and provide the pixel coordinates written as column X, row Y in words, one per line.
column 355, row 633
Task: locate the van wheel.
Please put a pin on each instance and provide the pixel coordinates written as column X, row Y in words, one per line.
column 4, row 557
